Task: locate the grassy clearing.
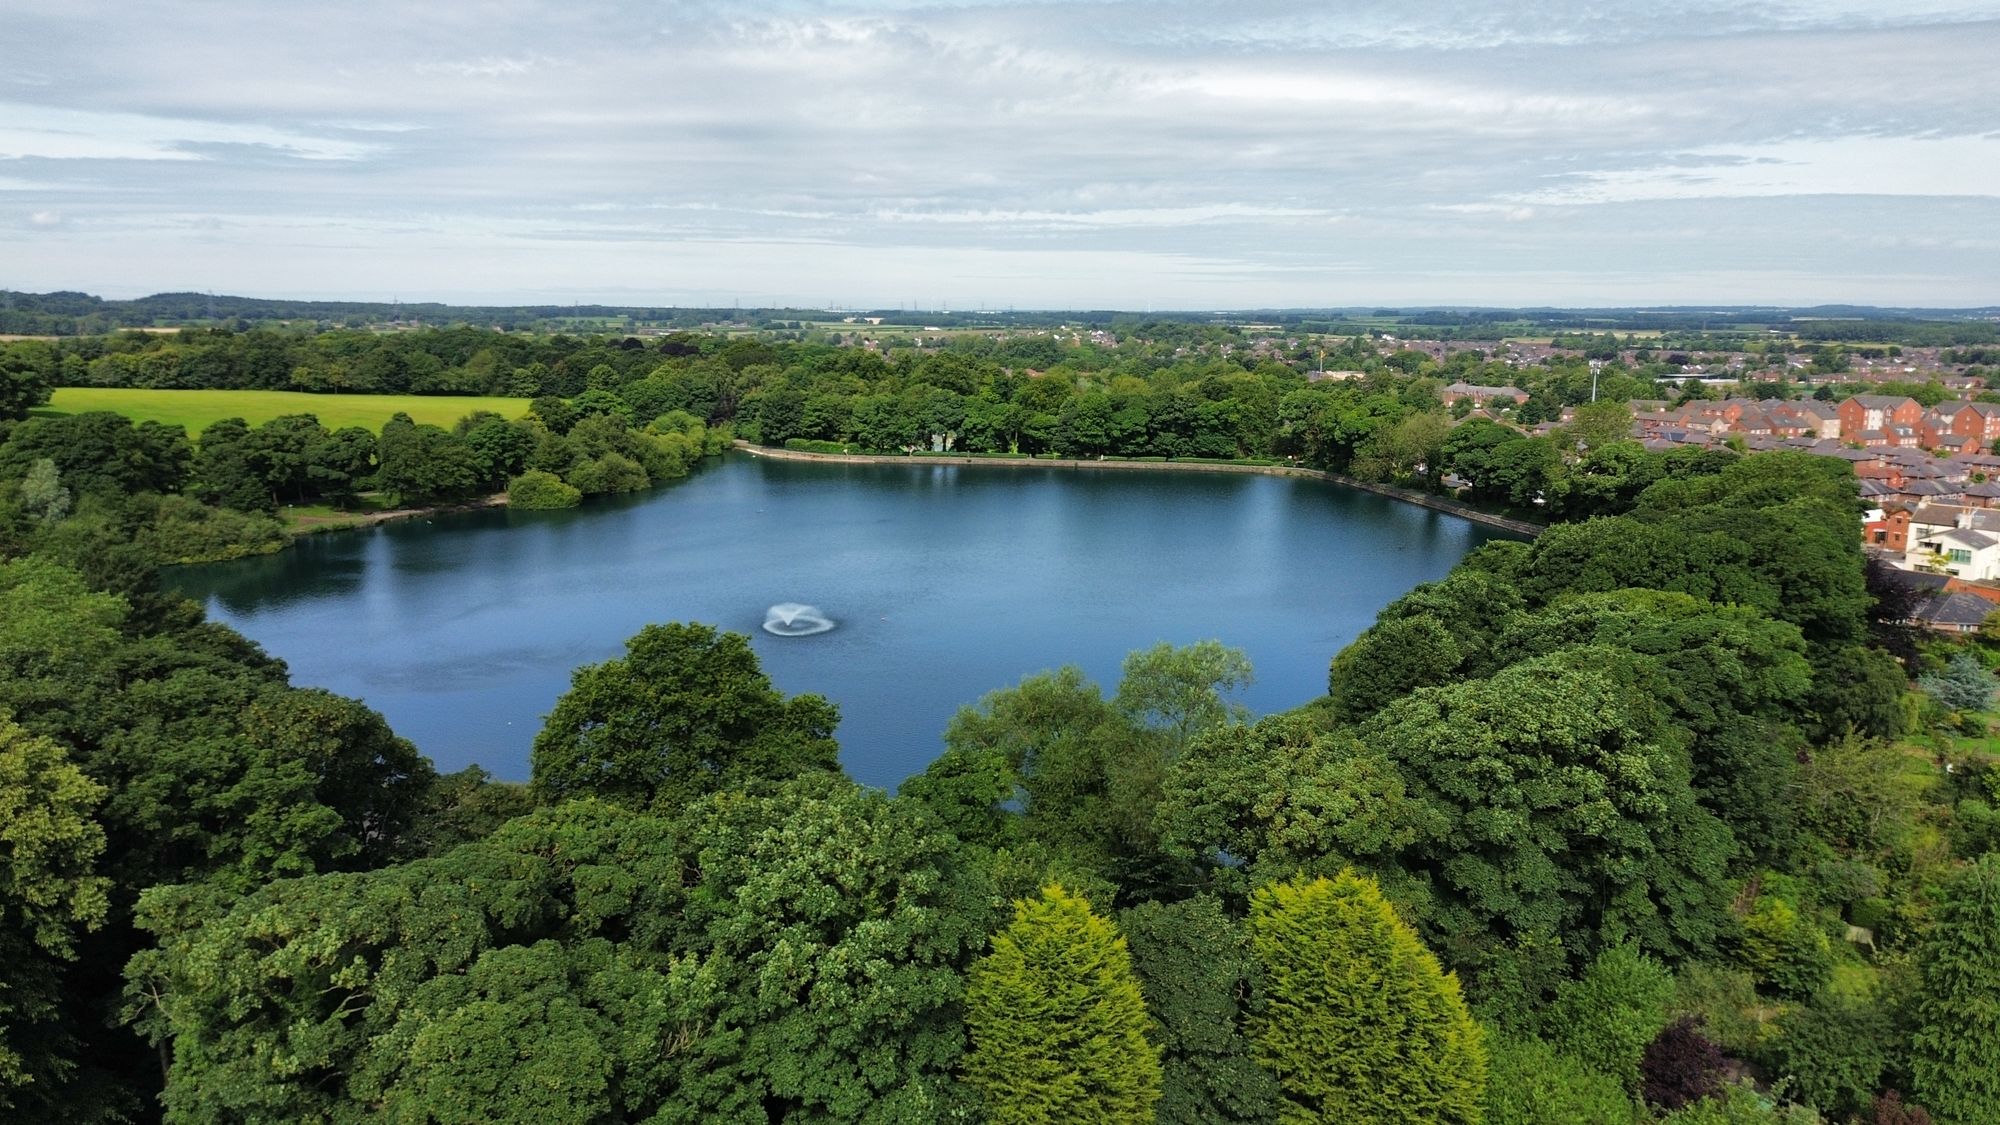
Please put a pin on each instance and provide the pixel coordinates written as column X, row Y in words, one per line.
column 194, row 410
column 304, row 519
column 1985, row 745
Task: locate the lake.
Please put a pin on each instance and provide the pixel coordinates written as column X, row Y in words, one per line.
column 945, row 582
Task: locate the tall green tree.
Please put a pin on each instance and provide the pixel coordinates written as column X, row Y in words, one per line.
column 1358, row 1022
column 1284, row 797
column 1049, row 760
column 1058, row 1022
column 685, row 712
column 1181, row 692
column 49, row 894
column 42, row 493
column 1955, row 1054
column 421, row 463
column 27, row 377
column 1195, row 969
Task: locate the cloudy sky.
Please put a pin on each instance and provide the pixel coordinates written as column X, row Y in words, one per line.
column 1125, row 153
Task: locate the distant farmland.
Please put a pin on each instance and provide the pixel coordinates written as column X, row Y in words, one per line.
column 196, row 409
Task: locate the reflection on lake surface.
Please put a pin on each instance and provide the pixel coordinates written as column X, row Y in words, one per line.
column 947, row 582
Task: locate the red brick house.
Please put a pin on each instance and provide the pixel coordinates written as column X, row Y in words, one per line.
column 1863, row 413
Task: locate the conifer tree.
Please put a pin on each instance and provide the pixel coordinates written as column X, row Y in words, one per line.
column 1955, row 1055
column 1359, row 1024
column 1058, row 1022
column 1964, row 685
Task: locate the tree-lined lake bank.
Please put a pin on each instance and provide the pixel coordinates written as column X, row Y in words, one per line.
column 945, row 583
column 1407, row 495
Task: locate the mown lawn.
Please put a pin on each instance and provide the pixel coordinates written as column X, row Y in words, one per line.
column 194, row 410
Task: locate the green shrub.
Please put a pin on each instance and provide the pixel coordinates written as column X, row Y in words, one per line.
column 1740, row 1104
column 1531, row 1083
column 535, row 491
column 1834, row 1052
column 1726, row 1000
column 1606, row 1017
column 1786, row 947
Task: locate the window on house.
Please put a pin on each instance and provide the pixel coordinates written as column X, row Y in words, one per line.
column 1959, row 556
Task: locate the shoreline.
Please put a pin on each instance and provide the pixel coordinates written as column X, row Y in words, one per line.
column 1406, row 495
column 351, row 521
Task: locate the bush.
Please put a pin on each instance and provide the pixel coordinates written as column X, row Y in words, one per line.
column 1787, row 948
column 1726, row 1002
column 1890, row 1109
column 1681, row 1066
column 535, row 491
column 1531, row 1083
column 1740, row 1104
column 814, row 445
column 1834, row 1052
column 1606, row 1017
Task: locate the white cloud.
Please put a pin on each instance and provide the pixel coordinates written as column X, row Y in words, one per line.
column 1205, row 152
column 74, row 134
column 486, row 67
column 1909, row 166
column 45, row 218
column 1125, row 217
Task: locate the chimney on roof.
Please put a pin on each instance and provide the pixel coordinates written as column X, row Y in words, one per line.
column 1965, row 518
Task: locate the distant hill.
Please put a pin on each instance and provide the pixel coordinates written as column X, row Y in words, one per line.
column 74, row 314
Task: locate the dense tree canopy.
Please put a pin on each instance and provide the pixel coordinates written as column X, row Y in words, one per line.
column 586, row 963
column 1654, row 785
column 1566, row 804
column 49, row 894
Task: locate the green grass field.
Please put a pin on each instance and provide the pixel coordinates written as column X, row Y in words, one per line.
column 196, row 409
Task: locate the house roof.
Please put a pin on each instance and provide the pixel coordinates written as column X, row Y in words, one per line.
column 1947, row 515
column 1463, row 388
column 1983, row 409
column 1966, row 538
column 1959, row 608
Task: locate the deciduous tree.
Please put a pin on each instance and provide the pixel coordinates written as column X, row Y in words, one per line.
column 686, row 711
column 49, row 895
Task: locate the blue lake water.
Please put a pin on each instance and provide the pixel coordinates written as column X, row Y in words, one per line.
column 946, row 582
